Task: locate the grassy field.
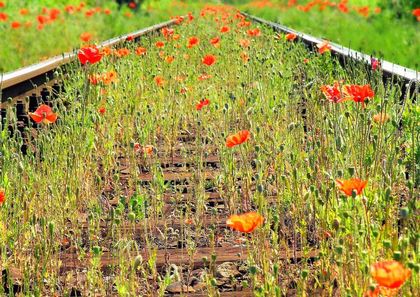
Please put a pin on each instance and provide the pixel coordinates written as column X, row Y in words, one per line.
column 379, row 34
column 121, row 181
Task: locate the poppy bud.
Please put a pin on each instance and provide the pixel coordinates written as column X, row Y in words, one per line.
column 350, row 170
column 132, row 216
column 410, row 184
column 137, row 261
column 375, row 233
column 397, row 255
column 253, row 270
column 213, row 282
column 304, row 273
column 336, row 224
column 387, row 243
column 117, row 221
column 404, row 212
column 340, row 249
column 244, row 283
column 118, row 211
column 96, row 250
column 9, row 100
column 204, row 259
column 51, row 227
column 213, row 257
column 387, row 193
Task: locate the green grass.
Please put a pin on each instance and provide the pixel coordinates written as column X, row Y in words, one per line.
column 380, row 35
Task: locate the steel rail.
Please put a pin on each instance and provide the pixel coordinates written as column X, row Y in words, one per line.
column 391, row 71
column 21, row 81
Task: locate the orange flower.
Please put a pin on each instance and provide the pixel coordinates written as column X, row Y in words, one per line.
column 202, row 103
column 214, row 40
column 15, row 24
column 209, row 60
column 86, row 36
column 159, row 44
column 245, row 57
column 324, row 46
column 347, row 186
column 141, row 51
column 192, row 41
column 89, row 53
column 166, row 32
column 2, row 196
column 106, row 51
column 121, row 52
column 291, row 36
column 244, row 24
column 237, row 138
column 169, row 59
column 359, row 93
column 107, row 11
column 128, row 14
column 45, row 114
column 245, row 223
column 389, row 274
column 381, row 117
column 148, row 148
column 176, row 36
column 333, row 93
column 160, row 81
column 254, row 32
column 416, row 12
column 3, row 17
column 23, row 11
column 109, row 77
column 224, row 29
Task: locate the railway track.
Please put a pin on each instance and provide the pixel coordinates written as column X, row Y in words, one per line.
column 28, row 87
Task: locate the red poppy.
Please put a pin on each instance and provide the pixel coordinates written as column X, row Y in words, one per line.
column 15, row 24
column 132, row 4
column 245, row 57
column 86, row 36
column 169, row 59
column 209, row 60
column 2, row 4
column 389, row 274
column 244, row 24
column 254, row 32
column 305, row 60
column 416, row 12
column 107, row 11
column 245, row 223
column 159, row 44
column 45, row 114
column 333, row 93
column 347, row 186
column 237, row 138
column 129, row 38
column 166, row 32
column 128, row 14
column 121, row 52
column 106, row 51
column 23, row 11
column 324, row 46
column 148, row 148
column 2, row 196
column 291, row 36
column 102, row 110
column 359, row 93
column 141, row 51
column 375, row 63
column 189, row 221
column 160, row 81
column 89, row 53
column 224, row 29
column 214, row 40
column 202, row 103
column 192, row 41
column 176, row 36
column 3, row 17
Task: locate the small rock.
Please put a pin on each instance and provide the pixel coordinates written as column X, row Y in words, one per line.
column 227, row 270
column 178, row 287
column 200, row 286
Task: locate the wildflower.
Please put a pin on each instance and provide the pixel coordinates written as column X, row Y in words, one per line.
column 390, row 276
column 333, row 93
column 245, row 57
column 305, row 60
column 237, row 138
column 176, row 37
column 375, row 63
column 2, row 4
column 23, row 11
column 244, row 42
column 128, row 14
column 45, row 114
column 129, row 38
column 202, row 103
column 204, row 77
column 416, row 12
column 224, row 29
column 291, row 36
column 192, row 41
column 169, row 59
column 214, row 40
column 324, row 46
column 141, row 51
column 106, row 51
column 89, row 53
column 167, row 32
column 121, row 52
column 245, row 223
column 3, row 16
column 102, row 110
column 85, row 36
column 132, row 5
column 107, row 11
column 254, row 32
column 381, row 117
column 159, row 44
column 160, row 81
column 2, row 196
column 209, row 60
column 148, row 148
column 347, row 186
column 359, row 93
column 189, row 221
column 15, row 24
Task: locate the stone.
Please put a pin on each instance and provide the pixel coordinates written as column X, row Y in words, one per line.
column 226, row 270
